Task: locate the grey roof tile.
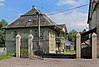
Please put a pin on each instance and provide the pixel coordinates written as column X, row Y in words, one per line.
column 30, row 19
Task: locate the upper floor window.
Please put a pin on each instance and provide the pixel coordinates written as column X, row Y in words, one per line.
column 14, row 34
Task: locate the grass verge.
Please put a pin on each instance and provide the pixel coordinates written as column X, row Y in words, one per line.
column 69, row 52
column 5, row 57
column 10, row 55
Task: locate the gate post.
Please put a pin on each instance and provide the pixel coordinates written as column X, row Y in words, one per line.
column 18, row 43
column 30, row 45
column 78, row 48
column 94, row 46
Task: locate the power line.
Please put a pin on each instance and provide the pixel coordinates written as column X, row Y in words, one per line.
column 68, row 9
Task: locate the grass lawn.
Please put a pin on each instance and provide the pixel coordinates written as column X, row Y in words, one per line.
column 5, row 57
column 10, row 55
column 66, row 54
column 69, row 52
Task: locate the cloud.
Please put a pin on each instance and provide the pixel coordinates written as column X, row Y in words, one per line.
column 71, row 2
column 75, row 20
column 2, row 2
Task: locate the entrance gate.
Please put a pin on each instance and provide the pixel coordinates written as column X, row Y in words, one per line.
column 24, row 48
column 28, row 50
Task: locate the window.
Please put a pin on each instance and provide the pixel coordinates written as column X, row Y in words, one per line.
column 14, row 34
column 29, row 20
column 35, row 32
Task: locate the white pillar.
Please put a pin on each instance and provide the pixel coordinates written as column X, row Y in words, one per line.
column 30, row 45
column 18, row 43
column 78, row 48
column 94, row 46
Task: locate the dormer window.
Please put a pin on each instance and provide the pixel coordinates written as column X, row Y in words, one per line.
column 29, row 20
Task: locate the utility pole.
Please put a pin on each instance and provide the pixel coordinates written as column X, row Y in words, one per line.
column 38, row 16
column 39, row 45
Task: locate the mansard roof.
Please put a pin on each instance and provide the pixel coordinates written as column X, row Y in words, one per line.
column 30, row 19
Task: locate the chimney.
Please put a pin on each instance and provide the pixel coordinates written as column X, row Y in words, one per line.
column 33, row 7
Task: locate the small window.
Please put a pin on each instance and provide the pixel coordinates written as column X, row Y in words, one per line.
column 35, row 30
column 29, row 20
column 14, row 35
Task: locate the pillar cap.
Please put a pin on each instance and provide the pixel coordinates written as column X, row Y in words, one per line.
column 33, row 6
column 94, row 34
column 18, row 36
column 78, row 35
column 30, row 36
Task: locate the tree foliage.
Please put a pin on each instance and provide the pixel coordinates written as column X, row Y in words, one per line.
column 72, row 35
column 2, row 35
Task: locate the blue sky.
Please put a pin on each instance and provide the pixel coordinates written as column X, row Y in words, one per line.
column 74, row 19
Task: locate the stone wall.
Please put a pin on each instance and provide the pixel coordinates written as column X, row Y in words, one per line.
column 95, row 23
column 11, row 33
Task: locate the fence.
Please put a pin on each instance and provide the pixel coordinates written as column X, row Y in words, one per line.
column 78, row 46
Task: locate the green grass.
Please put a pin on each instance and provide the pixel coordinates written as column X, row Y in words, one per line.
column 5, row 57
column 69, row 52
column 72, row 52
column 10, row 55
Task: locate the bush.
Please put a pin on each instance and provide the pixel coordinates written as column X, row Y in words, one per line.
column 38, row 52
column 24, row 51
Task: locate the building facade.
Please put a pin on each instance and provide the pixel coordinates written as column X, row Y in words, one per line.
column 93, row 20
column 51, row 34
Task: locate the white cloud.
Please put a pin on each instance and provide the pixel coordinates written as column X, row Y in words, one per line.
column 2, row 2
column 75, row 20
column 71, row 2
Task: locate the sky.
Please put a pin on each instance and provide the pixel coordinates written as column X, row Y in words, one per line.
column 76, row 19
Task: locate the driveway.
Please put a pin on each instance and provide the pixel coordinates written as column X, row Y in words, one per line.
column 48, row 62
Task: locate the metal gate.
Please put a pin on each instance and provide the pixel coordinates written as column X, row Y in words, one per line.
column 37, row 50
column 24, row 48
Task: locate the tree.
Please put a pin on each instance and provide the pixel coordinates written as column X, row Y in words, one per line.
column 72, row 35
column 2, row 35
